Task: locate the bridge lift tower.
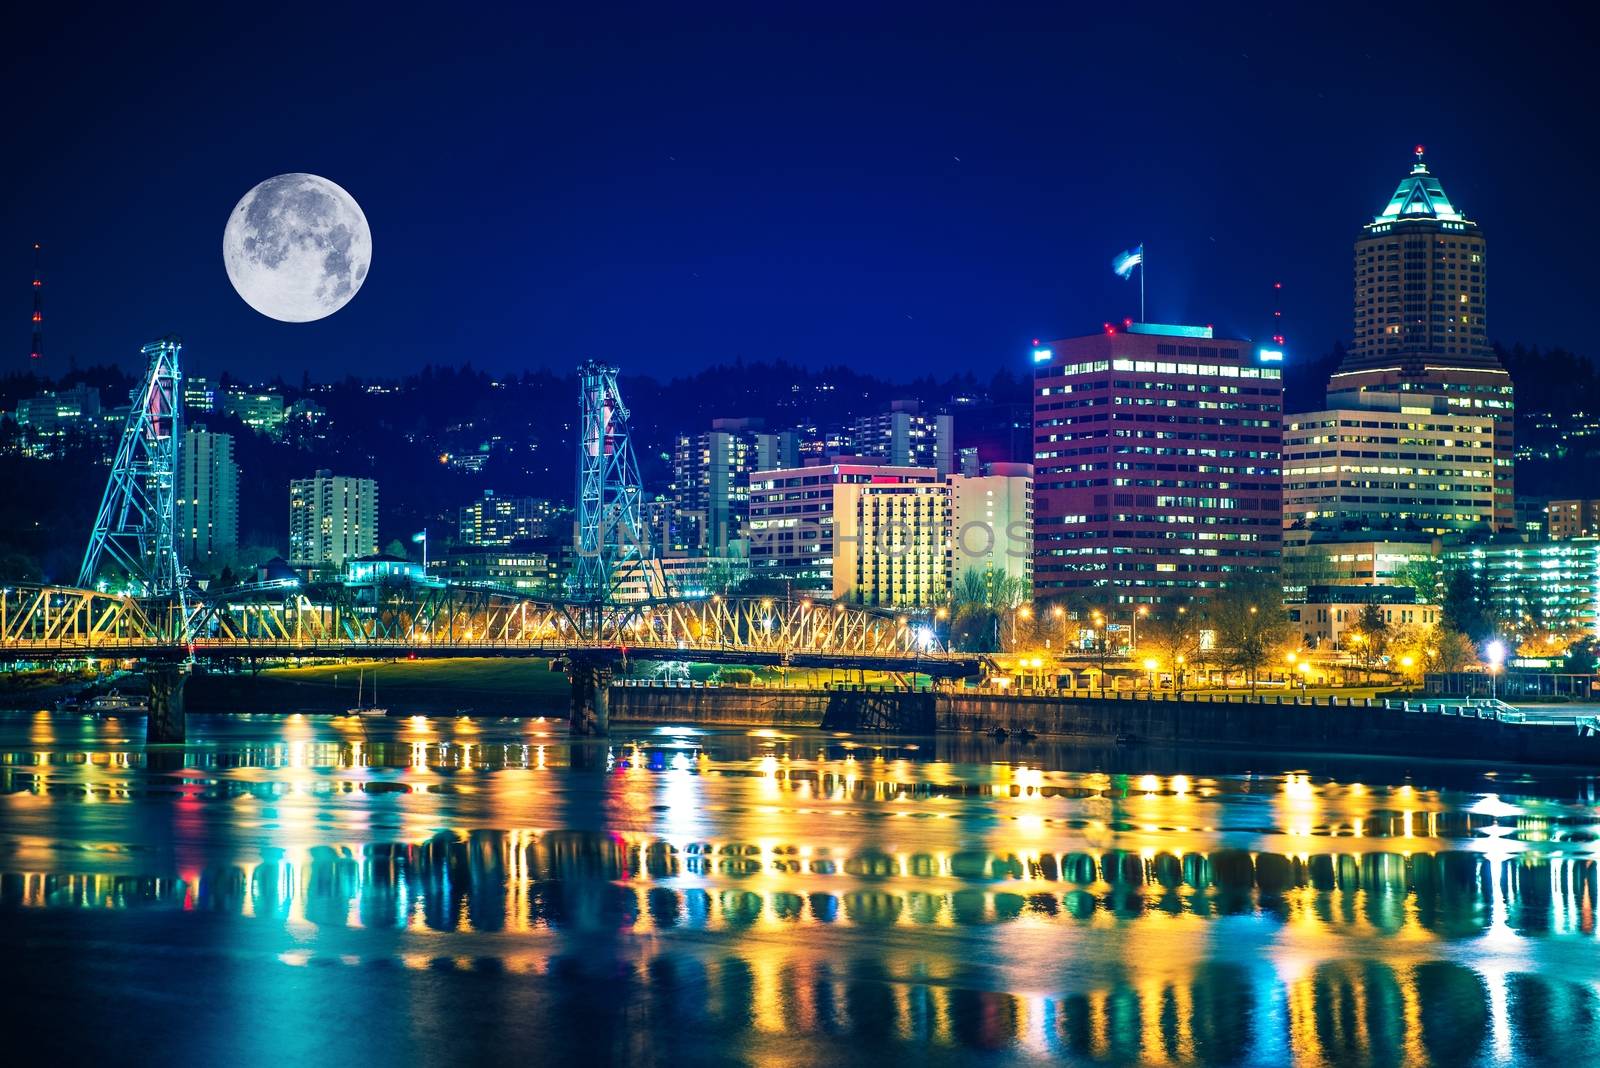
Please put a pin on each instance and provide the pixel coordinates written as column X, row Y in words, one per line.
column 136, row 528
column 614, row 543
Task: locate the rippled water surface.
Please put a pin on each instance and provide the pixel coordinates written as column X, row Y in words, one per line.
column 286, row 889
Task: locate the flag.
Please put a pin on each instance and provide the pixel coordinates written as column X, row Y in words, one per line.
column 419, row 536
column 1127, row 261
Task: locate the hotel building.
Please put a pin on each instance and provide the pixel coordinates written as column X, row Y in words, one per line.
column 792, row 513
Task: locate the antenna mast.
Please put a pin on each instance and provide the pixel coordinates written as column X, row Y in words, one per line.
column 38, row 310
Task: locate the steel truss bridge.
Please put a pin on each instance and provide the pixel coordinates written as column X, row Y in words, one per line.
column 39, row 623
column 170, row 623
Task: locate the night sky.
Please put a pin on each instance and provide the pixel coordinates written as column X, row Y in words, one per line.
column 921, row 192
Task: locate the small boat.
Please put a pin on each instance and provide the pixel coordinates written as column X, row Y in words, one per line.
column 111, row 703
column 373, row 709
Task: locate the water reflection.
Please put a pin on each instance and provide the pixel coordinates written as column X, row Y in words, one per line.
column 781, row 893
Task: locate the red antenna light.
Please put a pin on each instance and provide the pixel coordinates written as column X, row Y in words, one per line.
column 1110, row 329
column 1419, row 151
column 38, row 307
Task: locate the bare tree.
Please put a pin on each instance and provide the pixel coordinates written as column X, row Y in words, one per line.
column 1250, row 626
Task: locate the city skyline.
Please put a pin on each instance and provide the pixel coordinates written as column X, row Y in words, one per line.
column 761, row 226
column 620, row 537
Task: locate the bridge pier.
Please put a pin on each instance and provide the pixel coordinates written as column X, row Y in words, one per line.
column 591, row 698
column 166, row 724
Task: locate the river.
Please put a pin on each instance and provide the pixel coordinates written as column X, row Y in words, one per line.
column 430, row 889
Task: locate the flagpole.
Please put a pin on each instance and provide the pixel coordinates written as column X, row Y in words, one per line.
column 1142, row 269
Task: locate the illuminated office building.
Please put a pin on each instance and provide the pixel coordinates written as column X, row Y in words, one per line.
column 793, row 513
column 1421, row 312
column 500, row 521
column 1388, row 461
column 1157, row 464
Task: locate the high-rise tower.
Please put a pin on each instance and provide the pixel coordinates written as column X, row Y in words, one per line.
column 38, row 307
column 1421, row 309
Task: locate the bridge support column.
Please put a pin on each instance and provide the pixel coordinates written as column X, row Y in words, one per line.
column 165, row 724
column 591, row 698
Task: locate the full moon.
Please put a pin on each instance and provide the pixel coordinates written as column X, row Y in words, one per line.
column 297, row 247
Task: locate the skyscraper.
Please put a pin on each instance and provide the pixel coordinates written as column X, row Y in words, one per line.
column 332, row 519
column 208, row 500
column 1421, row 310
column 1157, row 464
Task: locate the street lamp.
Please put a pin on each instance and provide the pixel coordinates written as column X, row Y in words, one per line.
column 1150, row 665
column 1099, row 620
column 1496, row 653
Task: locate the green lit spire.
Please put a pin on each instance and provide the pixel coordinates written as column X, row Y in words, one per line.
column 1420, row 196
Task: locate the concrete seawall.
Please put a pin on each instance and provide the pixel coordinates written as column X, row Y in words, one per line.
column 1340, row 727
column 718, row 706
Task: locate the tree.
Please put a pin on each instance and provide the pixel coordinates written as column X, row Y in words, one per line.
column 1422, row 576
column 1463, row 606
column 1582, row 657
column 1455, row 651
column 1250, row 625
column 982, row 605
column 1174, row 636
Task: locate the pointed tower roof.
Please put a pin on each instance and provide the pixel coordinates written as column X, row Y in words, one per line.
column 1420, row 196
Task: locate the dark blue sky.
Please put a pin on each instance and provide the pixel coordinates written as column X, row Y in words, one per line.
column 918, row 192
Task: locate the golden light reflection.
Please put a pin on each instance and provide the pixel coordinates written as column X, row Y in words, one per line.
column 1207, row 938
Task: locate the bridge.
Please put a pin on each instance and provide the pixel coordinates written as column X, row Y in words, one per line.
column 165, row 623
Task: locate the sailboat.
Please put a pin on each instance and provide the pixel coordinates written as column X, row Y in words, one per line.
column 367, row 710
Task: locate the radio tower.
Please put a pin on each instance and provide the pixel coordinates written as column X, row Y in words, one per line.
column 38, row 310
column 1277, row 315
